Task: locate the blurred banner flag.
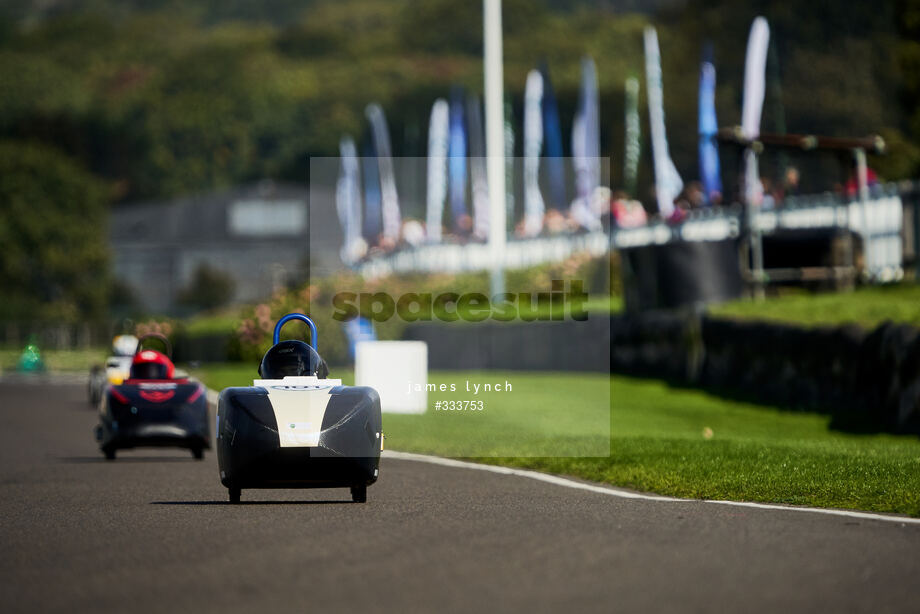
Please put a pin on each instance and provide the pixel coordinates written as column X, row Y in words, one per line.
column 533, row 143
column 668, row 183
column 710, row 173
column 358, row 330
column 348, row 202
column 552, row 137
column 456, row 167
column 755, row 65
column 586, row 148
column 389, row 197
column 479, row 186
column 373, row 219
column 509, row 162
column 774, row 98
column 437, row 169
column 632, row 140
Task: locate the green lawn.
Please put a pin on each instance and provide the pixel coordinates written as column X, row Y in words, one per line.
column 671, row 441
column 56, row 360
column 867, row 306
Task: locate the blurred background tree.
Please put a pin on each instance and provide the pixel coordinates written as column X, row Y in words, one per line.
column 209, row 288
column 156, row 98
column 161, row 97
column 53, row 264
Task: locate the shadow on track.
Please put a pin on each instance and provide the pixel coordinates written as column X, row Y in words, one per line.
column 336, row 502
column 126, row 459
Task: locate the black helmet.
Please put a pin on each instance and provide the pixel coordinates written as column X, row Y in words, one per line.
column 292, row 358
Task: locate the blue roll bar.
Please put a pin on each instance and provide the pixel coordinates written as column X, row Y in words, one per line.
column 276, row 337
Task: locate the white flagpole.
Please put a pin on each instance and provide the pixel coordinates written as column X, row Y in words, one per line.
column 495, row 138
column 755, row 64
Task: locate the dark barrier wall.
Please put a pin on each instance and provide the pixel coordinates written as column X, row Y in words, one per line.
column 215, row 347
column 681, row 273
column 533, row 346
column 866, row 380
column 814, row 247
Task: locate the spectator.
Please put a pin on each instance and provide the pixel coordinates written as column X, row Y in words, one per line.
column 851, row 188
column 627, row 213
column 555, row 222
column 413, row 232
column 768, row 201
column 694, row 194
column 791, row 182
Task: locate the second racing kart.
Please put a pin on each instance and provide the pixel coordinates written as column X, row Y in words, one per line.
column 154, row 407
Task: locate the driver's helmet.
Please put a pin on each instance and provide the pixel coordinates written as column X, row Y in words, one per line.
column 124, row 345
column 292, row 358
column 150, row 364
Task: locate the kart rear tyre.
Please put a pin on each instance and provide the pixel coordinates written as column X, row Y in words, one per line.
column 95, row 385
column 109, row 453
column 235, row 494
column 359, row 494
column 93, row 395
column 198, row 453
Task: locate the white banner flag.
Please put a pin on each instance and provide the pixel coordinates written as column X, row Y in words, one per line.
column 668, row 183
column 533, row 143
column 390, row 199
column 437, row 169
column 755, row 66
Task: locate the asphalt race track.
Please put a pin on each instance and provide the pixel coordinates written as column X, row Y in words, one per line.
column 152, row 532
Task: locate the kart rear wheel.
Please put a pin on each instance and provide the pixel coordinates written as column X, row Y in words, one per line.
column 109, row 453
column 359, row 494
column 198, row 453
column 235, row 494
column 95, row 385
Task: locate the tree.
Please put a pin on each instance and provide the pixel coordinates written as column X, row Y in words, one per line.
column 908, row 54
column 209, row 288
column 53, row 221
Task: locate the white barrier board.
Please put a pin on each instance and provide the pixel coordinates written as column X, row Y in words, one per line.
column 397, row 370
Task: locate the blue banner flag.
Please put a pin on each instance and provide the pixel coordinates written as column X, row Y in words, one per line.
column 552, row 143
column 373, row 218
column 710, row 173
column 456, row 165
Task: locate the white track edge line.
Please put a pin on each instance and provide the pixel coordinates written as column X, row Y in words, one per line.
column 616, row 492
column 625, row 494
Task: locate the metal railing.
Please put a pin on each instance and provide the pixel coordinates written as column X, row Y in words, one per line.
column 878, row 222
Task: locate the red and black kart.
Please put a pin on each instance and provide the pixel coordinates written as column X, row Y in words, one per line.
column 153, row 407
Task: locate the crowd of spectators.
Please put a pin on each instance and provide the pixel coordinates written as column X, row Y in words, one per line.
column 617, row 210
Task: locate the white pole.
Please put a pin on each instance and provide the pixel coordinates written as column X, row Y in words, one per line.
column 862, row 183
column 495, row 138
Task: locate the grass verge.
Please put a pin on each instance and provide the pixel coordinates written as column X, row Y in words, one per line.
column 56, row 360
column 867, row 306
column 677, row 442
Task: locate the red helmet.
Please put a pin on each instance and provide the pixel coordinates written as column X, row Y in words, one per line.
column 150, row 364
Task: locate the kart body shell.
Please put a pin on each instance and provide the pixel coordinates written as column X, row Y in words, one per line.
column 116, row 370
column 159, row 410
column 299, row 432
column 154, row 413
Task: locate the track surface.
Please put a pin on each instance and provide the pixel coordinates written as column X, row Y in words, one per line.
column 151, row 532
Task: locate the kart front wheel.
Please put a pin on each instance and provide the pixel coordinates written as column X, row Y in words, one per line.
column 198, row 453
column 235, row 494
column 109, row 453
column 359, row 494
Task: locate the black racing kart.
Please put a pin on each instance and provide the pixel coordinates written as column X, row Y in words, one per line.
column 154, row 407
column 296, row 428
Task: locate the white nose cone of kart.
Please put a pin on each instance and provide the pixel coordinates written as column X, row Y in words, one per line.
column 299, row 404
